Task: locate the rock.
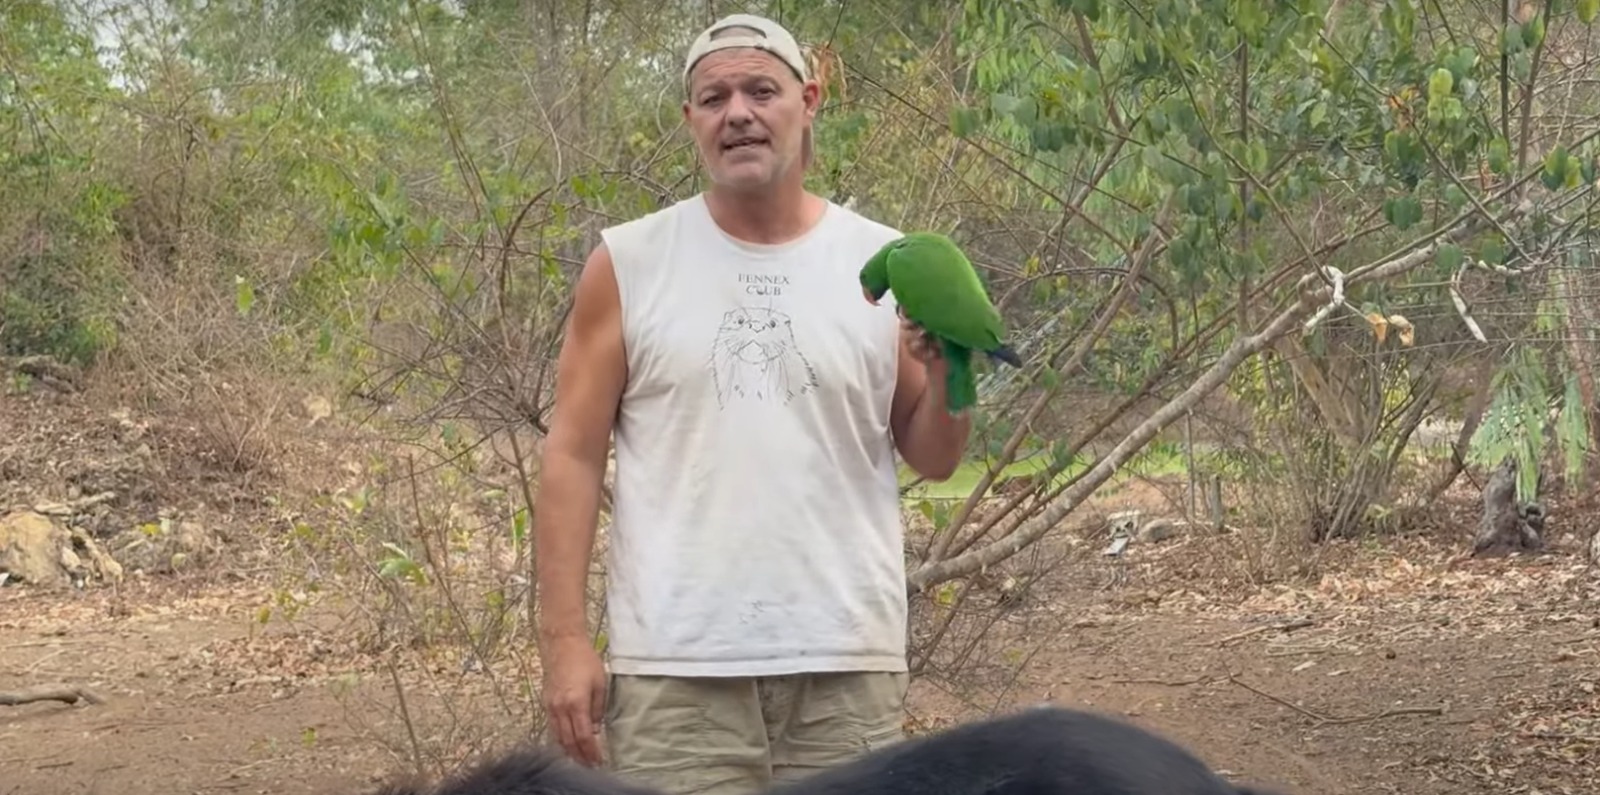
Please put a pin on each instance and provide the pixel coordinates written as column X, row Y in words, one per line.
column 77, row 506
column 30, row 549
column 1158, row 530
column 38, row 550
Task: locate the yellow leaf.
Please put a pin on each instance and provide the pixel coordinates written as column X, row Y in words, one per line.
column 1380, row 327
column 1403, row 326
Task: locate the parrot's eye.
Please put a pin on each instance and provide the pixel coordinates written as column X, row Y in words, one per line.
column 772, row 324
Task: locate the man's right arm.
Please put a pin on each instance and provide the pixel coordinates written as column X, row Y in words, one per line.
column 591, row 371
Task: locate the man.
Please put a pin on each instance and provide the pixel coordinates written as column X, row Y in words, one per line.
column 755, row 597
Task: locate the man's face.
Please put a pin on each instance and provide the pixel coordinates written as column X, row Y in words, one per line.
column 748, row 112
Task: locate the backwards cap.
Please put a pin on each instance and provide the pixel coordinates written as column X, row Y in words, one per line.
column 746, row 30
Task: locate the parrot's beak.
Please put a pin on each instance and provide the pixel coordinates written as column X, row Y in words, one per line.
column 868, row 295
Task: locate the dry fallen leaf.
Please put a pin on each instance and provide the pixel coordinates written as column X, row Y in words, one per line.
column 1407, row 333
column 1380, row 327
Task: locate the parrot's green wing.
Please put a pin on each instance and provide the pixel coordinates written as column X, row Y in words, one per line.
column 938, row 289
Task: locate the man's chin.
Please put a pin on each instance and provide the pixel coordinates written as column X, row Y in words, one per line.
column 744, row 176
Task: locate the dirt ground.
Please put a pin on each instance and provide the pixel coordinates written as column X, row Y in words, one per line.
column 1400, row 672
column 1386, row 667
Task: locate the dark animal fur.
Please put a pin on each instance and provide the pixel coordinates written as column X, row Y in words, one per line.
column 1038, row 751
column 524, row 771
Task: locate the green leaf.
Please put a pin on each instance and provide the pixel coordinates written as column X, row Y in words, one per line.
column 325, row 339
column 1003, row 104
column 1461, row 62
column 1152, row 158
column 519, row 526
column 963, row 121
column 1449, row 257
column 1048, row 136
column 1402, row 211
column 1511, row 39
column 1319, row 114
column 1254, row 209
column 1492, row 250
column 1026, row 111
column 1257, row 154
column 1156, row 120
column 1499, row 156
column 1399, row 19
column 1407, row 156
column 1587, row 9
column 1222, row 204
column 1440, row 83
column 1556, row 166
column 244, row 295
column 1533, row 31
column 1061, row 455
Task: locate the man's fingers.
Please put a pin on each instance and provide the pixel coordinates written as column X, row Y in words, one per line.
column 597, row 703
column 597, row 716
column 589, row 742
column 562, row 721
column 579, row 739
column 583, row 735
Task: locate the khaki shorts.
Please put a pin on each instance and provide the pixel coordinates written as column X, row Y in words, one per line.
column 734, row 736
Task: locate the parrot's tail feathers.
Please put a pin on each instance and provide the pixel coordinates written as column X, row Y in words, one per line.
column 1005, row 354
column 961, row 390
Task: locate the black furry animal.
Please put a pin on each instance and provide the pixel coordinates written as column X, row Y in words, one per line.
column 1045, row 750
column 525, row 771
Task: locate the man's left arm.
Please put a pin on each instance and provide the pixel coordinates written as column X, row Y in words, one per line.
column 929, row 438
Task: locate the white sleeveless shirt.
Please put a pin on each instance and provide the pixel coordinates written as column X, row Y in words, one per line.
column 756, row 529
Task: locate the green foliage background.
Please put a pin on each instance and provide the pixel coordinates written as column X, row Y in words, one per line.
column 397, row 194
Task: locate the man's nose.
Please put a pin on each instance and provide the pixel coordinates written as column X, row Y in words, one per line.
column 738, row 110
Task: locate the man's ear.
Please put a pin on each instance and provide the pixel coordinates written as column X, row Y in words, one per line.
column 811, row 93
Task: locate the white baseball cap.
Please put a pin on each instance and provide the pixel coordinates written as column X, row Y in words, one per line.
column 748, row 30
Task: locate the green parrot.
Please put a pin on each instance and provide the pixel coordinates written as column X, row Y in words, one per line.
column 937, row 288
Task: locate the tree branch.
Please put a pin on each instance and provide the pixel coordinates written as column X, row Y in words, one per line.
column 1236, row 354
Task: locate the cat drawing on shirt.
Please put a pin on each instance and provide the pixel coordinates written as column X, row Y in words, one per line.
column 755, row 357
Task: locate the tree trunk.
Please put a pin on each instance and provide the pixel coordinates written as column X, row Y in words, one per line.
column 1507, row 526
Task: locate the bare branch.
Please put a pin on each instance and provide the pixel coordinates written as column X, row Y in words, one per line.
column 1219, row 372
